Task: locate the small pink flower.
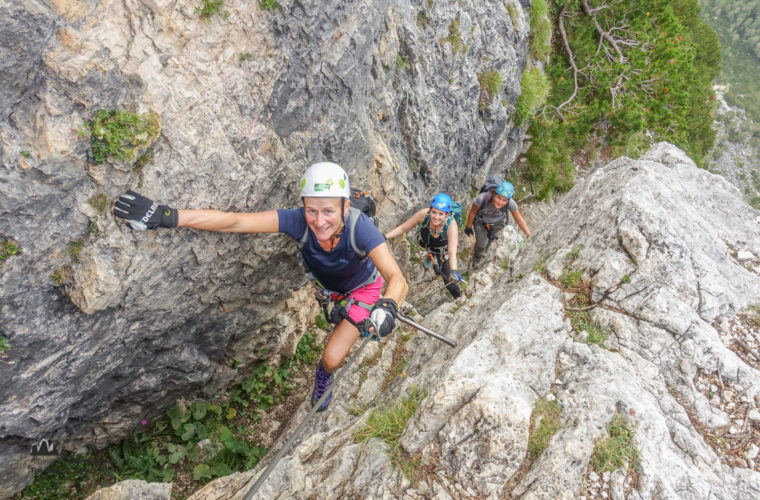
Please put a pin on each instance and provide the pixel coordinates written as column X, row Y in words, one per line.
column 144, row 422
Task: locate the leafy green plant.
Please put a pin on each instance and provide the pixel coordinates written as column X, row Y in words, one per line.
column 625, row 279
column 119, row 134
column 4, row 345
column 211, row 8
column 268, row 4
column 25, row 154
column 387, row 425
column 244, row 56
column 9, row 249
column 617, row 449
column 70, row 476
column 321, row 323
column 548, row 415
column 490, row 82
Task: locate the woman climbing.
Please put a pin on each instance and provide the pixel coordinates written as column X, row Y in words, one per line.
column 344, row 252
column 438, row 234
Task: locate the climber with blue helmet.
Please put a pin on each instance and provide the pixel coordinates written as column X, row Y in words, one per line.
column 489, row 214
column 344, row 252
column 438, row 234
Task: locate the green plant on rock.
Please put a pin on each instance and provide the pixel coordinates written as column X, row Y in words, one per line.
column 9, row 249
column 75, row 249
column 402, row 61
column 540, row 30
column 534, row 89
column 490, row 82
column 212, row 8
column 546, row 420
column 4, row 345
column 454, row 37
column 571, row 278
column 268, row 5
column 25, row 154
column 99, row 202
column 617, row 450
column 119, row 134
column 388, row 424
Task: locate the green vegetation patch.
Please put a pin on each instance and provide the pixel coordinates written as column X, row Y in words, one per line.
column 571, row 278
column 490, row 82
column 211, row 8
column 546, row 421
column 540, row 30
column 9, row 249
column 119, row 134
column 617, row 450
column 387, row 425
column 268, row 5
column 196, row 441
column 4, row 345
column 653, row 84
column 534, row 89
column 99, row 202
column 454, row 38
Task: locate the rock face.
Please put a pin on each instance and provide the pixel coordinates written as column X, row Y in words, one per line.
column 654, row 241
column 129, row 322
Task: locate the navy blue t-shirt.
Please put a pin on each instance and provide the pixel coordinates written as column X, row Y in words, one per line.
column 340, row 270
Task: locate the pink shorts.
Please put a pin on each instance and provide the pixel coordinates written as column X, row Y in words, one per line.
column 369, row 294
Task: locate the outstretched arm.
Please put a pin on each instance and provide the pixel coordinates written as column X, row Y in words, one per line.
column 230, row 222
column 521, row 222
column 407, row 225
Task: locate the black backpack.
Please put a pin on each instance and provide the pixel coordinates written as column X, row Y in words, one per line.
column 492, row 182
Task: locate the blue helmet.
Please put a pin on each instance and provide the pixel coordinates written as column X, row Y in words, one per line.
column 505, row 189
column 442, row 202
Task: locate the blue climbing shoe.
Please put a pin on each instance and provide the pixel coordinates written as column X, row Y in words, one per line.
column 322, row 381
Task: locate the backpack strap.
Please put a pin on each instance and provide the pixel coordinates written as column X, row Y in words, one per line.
column 353, row 216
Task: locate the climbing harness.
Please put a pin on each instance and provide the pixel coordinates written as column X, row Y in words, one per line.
column 341, row 302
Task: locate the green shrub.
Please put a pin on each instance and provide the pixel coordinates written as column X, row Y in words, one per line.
column 534, row 89
column 268, row 5
column 211, row 8
column 540, row 30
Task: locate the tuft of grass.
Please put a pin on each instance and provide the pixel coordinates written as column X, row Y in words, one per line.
column 534, row 89
column 548, row 414
column 268, row 5
column 25, row 154
column 387, row 425
column 625, row 279
column 4, row 345
column 9, row 249
column 99, row 202
column 596, row 334
column 75, row 249
column 490, row 82
column 212, row 8
column 244, row 56
column 59, row 275
column 422, row 20
column 454, row 38
column 540, row 30
column 617, row 449
column 571, row 278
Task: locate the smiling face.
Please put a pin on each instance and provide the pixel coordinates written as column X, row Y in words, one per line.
column 437, row 217
column 324, row 216
column 499, row 200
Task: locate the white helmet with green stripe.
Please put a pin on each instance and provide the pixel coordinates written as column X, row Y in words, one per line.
column 325, row 180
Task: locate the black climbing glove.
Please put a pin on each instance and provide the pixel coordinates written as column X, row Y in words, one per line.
column 468, row 231
column 383, row 316
column 142, row 213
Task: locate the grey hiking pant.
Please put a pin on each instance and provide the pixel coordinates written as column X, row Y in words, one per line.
column 483, row 234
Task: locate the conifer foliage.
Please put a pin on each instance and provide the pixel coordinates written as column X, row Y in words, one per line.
column 623, row 74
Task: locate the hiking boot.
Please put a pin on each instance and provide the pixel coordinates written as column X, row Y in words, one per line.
column 427, row 261
column 322, row 381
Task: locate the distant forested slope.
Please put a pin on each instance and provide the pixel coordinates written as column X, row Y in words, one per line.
column 622, row 76
column 737, row 23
